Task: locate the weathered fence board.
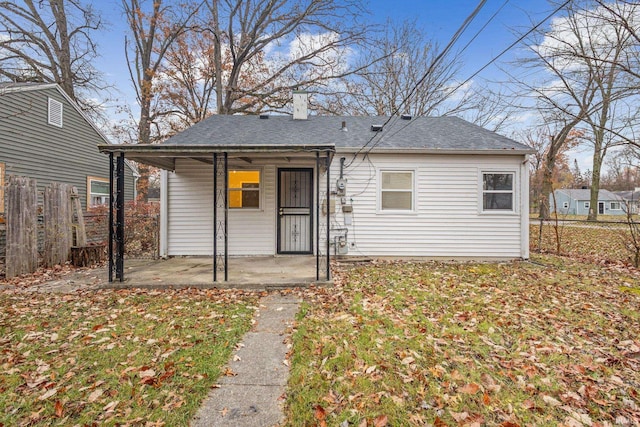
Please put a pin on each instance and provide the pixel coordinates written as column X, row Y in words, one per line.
column 22, row 226
column 78, row 223
column 58, row 217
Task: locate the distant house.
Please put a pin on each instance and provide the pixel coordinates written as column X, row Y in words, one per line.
column 44, row 135
column 577, row 202
column 631, row 199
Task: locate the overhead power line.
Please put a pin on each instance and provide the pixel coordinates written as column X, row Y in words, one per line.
column 434, row 63
column 491, row 61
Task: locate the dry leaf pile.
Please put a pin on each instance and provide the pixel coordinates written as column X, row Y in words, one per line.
column 460, row 344
column 114, row 357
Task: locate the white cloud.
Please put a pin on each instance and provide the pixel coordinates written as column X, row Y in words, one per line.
column 594, row 32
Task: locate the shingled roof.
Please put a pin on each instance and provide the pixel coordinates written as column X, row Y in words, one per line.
column 419, row 133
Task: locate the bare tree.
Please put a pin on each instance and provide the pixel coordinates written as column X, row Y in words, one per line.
column 153, row 32
column 52, row 41
column 301, row 44
column 581, row 87
column 386, row 86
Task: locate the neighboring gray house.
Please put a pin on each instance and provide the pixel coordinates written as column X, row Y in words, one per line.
column 44, row 135
column 430, row 187
column 631, row 199
column 577, row 202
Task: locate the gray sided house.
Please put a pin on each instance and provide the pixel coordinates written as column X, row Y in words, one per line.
column 44, row 135
column 577, row 202
column 423, row 187
column 631, row 199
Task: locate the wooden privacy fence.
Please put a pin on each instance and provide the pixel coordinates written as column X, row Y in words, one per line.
column 22, row 226
column 58, row 217
column 61, row 216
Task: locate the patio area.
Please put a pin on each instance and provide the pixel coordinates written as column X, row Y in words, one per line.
column 256, row 273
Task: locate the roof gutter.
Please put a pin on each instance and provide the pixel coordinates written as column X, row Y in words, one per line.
column 186, row 150
column 503, row 152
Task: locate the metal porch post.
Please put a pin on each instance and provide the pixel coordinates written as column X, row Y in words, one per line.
column 317, row 214
column 328, row 216
column 215, row 217
column 111, row 201
column 220, row 224
column 120, row 217
column 225, row 196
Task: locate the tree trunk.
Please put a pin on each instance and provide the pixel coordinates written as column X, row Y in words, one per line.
column 595, row 186
column 547, row 183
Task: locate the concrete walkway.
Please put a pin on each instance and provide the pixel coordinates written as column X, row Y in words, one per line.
column 254, row 396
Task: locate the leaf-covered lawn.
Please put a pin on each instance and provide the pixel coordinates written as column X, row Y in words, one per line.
column 115, row 357
column 594, row 242
column 466, row 344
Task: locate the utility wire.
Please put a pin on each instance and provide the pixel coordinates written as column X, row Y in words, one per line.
column 495, row 58
column 435, row 62
column 475, row 36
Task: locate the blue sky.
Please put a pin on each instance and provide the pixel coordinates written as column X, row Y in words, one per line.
column 439, row 18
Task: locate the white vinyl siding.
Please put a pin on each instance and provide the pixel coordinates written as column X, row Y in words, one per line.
column 447, row 222
column 190, row 214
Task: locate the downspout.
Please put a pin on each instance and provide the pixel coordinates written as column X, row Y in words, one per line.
column 164, row 212
column 524, row 208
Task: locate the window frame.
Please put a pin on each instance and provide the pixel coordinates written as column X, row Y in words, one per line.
column 413, row 191
column 514, row 192
column 259, row 190
column 615, row 209
column 565, row 205
column 51, row 119
column 587, row 205
column 89, row 193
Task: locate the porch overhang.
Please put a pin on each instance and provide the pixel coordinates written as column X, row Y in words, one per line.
column 164, row 156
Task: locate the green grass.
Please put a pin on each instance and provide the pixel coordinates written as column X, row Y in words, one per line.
column 115, row 357
column 453, row 344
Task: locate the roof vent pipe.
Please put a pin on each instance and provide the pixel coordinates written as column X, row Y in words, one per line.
column 344, row 127
column 376, row 128
column 264, row 116
column 406, row 117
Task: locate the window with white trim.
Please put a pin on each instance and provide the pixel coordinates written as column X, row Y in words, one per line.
column 615, row 206
column 565, row 205
column 498, row 191
column 396, row 190
column 587, row 205
column 97, row 191
column 55, row 113
column 244, row 189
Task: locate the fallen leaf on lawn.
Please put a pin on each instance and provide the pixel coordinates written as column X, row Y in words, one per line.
column 471, row 388
column 59, row 409
column 148, row 373
column 459, row 416
column 95, row 395
column 48, row 394
column 551, row 401
column 370, row 369
column 111, row 406
column 319, row 413
column 439, row 423
column 380, row 421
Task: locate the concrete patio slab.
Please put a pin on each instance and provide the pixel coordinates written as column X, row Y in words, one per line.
column 257, row 273
column 249, row 273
